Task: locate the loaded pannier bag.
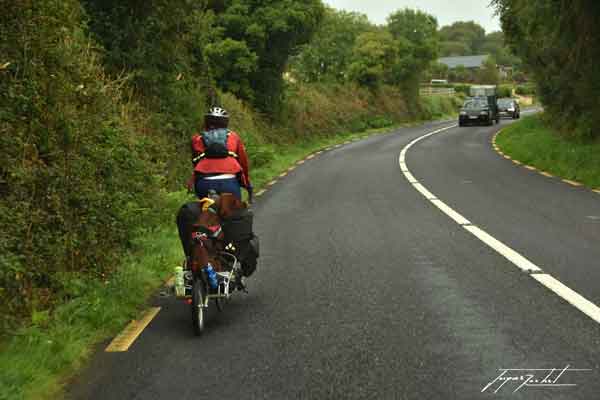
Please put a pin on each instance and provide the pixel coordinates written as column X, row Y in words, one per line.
column 186, row 218
column 237, row 228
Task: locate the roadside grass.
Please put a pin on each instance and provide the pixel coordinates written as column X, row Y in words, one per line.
column 37, row 360
column 532, row 142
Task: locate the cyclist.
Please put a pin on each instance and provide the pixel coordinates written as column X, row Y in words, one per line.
column 219, row 158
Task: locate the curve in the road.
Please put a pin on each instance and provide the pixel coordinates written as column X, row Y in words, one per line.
column 525, row 265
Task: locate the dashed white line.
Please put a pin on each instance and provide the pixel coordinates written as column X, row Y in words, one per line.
column 521, row 262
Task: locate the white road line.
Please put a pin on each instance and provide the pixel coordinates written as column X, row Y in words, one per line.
column 521, row 262
column 574, row 298
column 410, row 178
column 459, row 219
column 428, row 195
column 569, row 295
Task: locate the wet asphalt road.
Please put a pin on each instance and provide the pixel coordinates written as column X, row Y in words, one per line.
column 367, row 291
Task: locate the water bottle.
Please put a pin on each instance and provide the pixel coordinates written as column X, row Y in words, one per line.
column 213, row 282
column 179, row 284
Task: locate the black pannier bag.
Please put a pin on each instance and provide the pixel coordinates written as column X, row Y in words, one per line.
column 238, row 230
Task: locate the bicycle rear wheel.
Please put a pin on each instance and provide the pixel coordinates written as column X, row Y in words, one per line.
column 198, row 297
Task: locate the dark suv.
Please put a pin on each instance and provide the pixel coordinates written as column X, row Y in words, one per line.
column 476, row 110
column 509, row 108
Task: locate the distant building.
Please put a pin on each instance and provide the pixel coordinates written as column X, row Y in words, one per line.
column 469, row 62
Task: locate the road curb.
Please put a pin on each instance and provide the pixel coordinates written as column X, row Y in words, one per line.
column 546, row 174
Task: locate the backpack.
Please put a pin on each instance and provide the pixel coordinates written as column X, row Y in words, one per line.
column 215, row 143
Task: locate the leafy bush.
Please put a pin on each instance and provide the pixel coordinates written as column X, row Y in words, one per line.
column 435, row 107
column 462, row 88
column 563, row 62
column 505, row 91
column 75, row 181
column 526, row 90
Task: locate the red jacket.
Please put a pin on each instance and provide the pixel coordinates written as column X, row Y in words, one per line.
column 227, row 165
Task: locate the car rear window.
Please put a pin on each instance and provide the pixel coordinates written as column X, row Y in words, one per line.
column 475, row 104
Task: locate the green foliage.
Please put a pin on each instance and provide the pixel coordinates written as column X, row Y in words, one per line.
column 74, row 179
column 462, row 39
column 37, row 357
column 266, row 33
column 488, row 74
column 533, row 141
column 452, row 49
column 328, row 55
column 417, row 38
column 158, row 45
column 462, row 88
column 556, row 42
column 460, row 74
column 375, row 54
column 469, row 38
column 504, row 91
column 232, row 62
column 526, row 90
column 436, row 107
column 495, row 46
column 438, row 71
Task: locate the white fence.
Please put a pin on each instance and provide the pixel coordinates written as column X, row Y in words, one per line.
column 436, row 91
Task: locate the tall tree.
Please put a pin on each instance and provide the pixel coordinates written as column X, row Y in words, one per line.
column 272, row 32
column 557, row 41
column 374, row 56
column 469, row 33
column 418, row 46
column 329, row 53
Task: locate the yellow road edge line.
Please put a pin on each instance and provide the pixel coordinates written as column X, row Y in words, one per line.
column 573, row 183
column 310, row 157
column 125, row 339
column 260, row 193
column 532, row 168
column 272, row 182
column 300, row 162
column 283, row 174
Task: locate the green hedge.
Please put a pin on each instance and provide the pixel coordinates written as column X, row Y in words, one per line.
column 528, row 89
column 75, row 179
column 505, row 91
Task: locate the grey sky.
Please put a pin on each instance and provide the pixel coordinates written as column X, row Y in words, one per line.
column 446, row 11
